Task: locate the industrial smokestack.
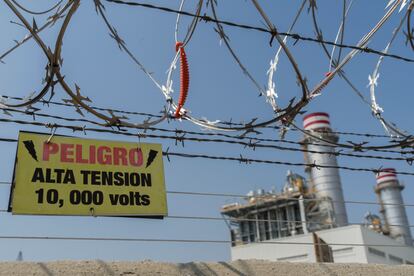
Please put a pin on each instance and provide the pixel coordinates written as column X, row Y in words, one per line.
column 326, row 181
column 389, row 193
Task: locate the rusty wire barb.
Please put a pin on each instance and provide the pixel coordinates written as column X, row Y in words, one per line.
column 64, row 11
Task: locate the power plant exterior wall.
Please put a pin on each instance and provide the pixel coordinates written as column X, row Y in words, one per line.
column 296, row 248
column 326, row 181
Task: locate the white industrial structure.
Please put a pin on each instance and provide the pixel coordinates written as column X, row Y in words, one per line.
column 345, row 243
column 307, row 220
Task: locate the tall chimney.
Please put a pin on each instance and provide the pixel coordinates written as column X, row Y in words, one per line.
column 389, row 190
column 326, row 181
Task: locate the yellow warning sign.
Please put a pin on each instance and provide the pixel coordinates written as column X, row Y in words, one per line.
column 74, row 176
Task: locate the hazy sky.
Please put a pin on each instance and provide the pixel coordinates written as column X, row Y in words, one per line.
column 218, row 90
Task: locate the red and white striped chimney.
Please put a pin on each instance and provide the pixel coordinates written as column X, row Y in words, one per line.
column 389, row 190
column 315, row 121
column 385, row 175
column 326, row 181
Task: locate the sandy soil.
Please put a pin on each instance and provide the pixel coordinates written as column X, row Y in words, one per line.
column 236, row 268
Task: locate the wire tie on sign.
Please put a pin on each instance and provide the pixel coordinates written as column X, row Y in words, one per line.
column 410, row 161
column 141, row 135
column 53, row 128
column 139, row 138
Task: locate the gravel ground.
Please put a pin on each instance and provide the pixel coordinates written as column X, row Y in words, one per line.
column 236, row 268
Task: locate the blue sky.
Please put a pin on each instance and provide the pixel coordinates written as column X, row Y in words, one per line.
column 218, row 90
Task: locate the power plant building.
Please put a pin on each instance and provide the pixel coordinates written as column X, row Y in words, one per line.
column 307, row 221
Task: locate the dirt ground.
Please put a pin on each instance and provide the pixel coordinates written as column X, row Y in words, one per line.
column 236, row 268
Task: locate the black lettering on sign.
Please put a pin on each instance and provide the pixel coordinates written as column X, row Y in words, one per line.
column 134, row 179
column 52, row 197
column 145, row 200
column 146, row 180
column 38, row 175
column 126, row 179
column 133, row 199
column 85, row 175
column 86, row 197
column 48, row 176
column 98, row 198
column 114, row 199
column 124, row 200
column 96, row 178
column 59, row 173
column 75, row 197
column 107, row 178
column 119, row 181
column 59, row 176
column 69, row 177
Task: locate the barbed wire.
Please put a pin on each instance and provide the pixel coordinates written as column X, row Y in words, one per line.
column 251, row 142
column 244, row 160
column 180, row 137
column 405, row 142
column 230, row 123
column 285, row 116
column 295, row 36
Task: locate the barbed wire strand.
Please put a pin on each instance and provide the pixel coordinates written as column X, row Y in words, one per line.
column 78, row 100
column 206, row 18
column 252, row 143
column 369, row 135
column 168, row 154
